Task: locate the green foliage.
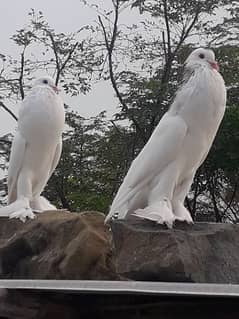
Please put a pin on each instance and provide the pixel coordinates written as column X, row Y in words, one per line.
column 224, row 155
column 95, row 157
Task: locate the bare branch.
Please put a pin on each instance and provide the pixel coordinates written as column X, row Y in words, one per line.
column 66, row 61
column 116, row 127
column 5, row 141
column 164, row 46
column 231, row 200
column 167, row 26
column 60, row 66
column 8, row 110
column 186, row 32
column 20, row 80
column 170, row 56
column 54, row 48
column 110, row 47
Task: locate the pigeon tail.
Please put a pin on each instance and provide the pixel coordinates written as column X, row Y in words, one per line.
column 159, row 212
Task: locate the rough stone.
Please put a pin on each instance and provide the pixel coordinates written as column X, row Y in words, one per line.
column 201, row 253
column 63, row 245
column 56, row 245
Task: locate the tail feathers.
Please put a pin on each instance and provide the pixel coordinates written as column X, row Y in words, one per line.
column 13, row 207
column 122, row 202
column 161, row 213
column 125, row 194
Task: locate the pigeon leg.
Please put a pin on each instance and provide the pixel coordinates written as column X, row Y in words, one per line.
column 180, row 212
column 160, row 212
column 21, row 207
column 159, row 207
column 40, row 204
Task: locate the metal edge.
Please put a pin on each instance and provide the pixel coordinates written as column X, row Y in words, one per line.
column 124, row 287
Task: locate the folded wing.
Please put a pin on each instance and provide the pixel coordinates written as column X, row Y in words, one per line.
column 16, row 159
column 161, row 149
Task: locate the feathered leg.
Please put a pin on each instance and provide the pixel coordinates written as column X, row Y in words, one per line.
column 40, row 204
column 159, row 207
column 179, row 210
column 21, row 207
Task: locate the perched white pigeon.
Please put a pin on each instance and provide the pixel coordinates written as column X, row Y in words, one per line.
column 35, row 151
column 160, row 177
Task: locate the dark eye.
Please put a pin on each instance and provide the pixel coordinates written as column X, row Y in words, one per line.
column 201, row 56
column 45, row 81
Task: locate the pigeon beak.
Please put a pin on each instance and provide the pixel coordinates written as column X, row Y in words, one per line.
column 214, row 65
column 55, row 88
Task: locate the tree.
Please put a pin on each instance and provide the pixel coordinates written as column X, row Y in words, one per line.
column 70, row 58
column 94, row 160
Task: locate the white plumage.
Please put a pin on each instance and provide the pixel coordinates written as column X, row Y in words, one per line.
column 160, row 177
column 35, row 151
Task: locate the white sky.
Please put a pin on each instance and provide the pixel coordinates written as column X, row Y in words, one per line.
column 63, row 16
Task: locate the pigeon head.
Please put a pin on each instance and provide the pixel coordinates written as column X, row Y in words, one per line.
column 46, row 80
column 201, row 57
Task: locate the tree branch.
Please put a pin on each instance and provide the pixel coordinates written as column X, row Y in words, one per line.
column 164, row 46
column 8, row 110
column 5, row 141
column 231, row 200
column 54, row 48
column 66, row 61
column 116, row 127
column 20, row 80
column 186, row 33
column 167, row 26
column 110, row 48
column 171, row 54
column 60, row 67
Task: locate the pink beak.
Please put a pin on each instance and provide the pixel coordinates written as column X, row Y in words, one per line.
column 55, row 88
column 214, row 65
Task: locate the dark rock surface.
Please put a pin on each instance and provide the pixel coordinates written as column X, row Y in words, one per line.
column 56, row 245
column 63, row 245
column 201, row 253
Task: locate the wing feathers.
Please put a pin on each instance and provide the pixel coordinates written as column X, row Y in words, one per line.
column 161, row 149
column 16, row 159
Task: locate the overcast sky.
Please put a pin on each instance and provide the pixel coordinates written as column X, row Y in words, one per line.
column 63, row 16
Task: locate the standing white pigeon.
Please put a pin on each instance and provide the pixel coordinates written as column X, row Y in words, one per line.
column 35, row 151
column 160, row 177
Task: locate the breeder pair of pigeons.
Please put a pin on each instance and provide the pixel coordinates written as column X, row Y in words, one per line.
column 159, row 178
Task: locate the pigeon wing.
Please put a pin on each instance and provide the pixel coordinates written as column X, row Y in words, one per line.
column 161, row 149
column 16, row 159
column 56, row 157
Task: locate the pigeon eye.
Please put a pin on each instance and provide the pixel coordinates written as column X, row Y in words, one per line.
column 45, row 81
column 201, row 56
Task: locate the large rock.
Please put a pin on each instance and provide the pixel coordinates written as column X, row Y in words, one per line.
column 203, row 252
column 63, row 245
column 56, row 245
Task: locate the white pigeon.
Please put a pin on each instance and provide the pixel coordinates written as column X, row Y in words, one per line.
column 160, row 177
column 35, row 151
